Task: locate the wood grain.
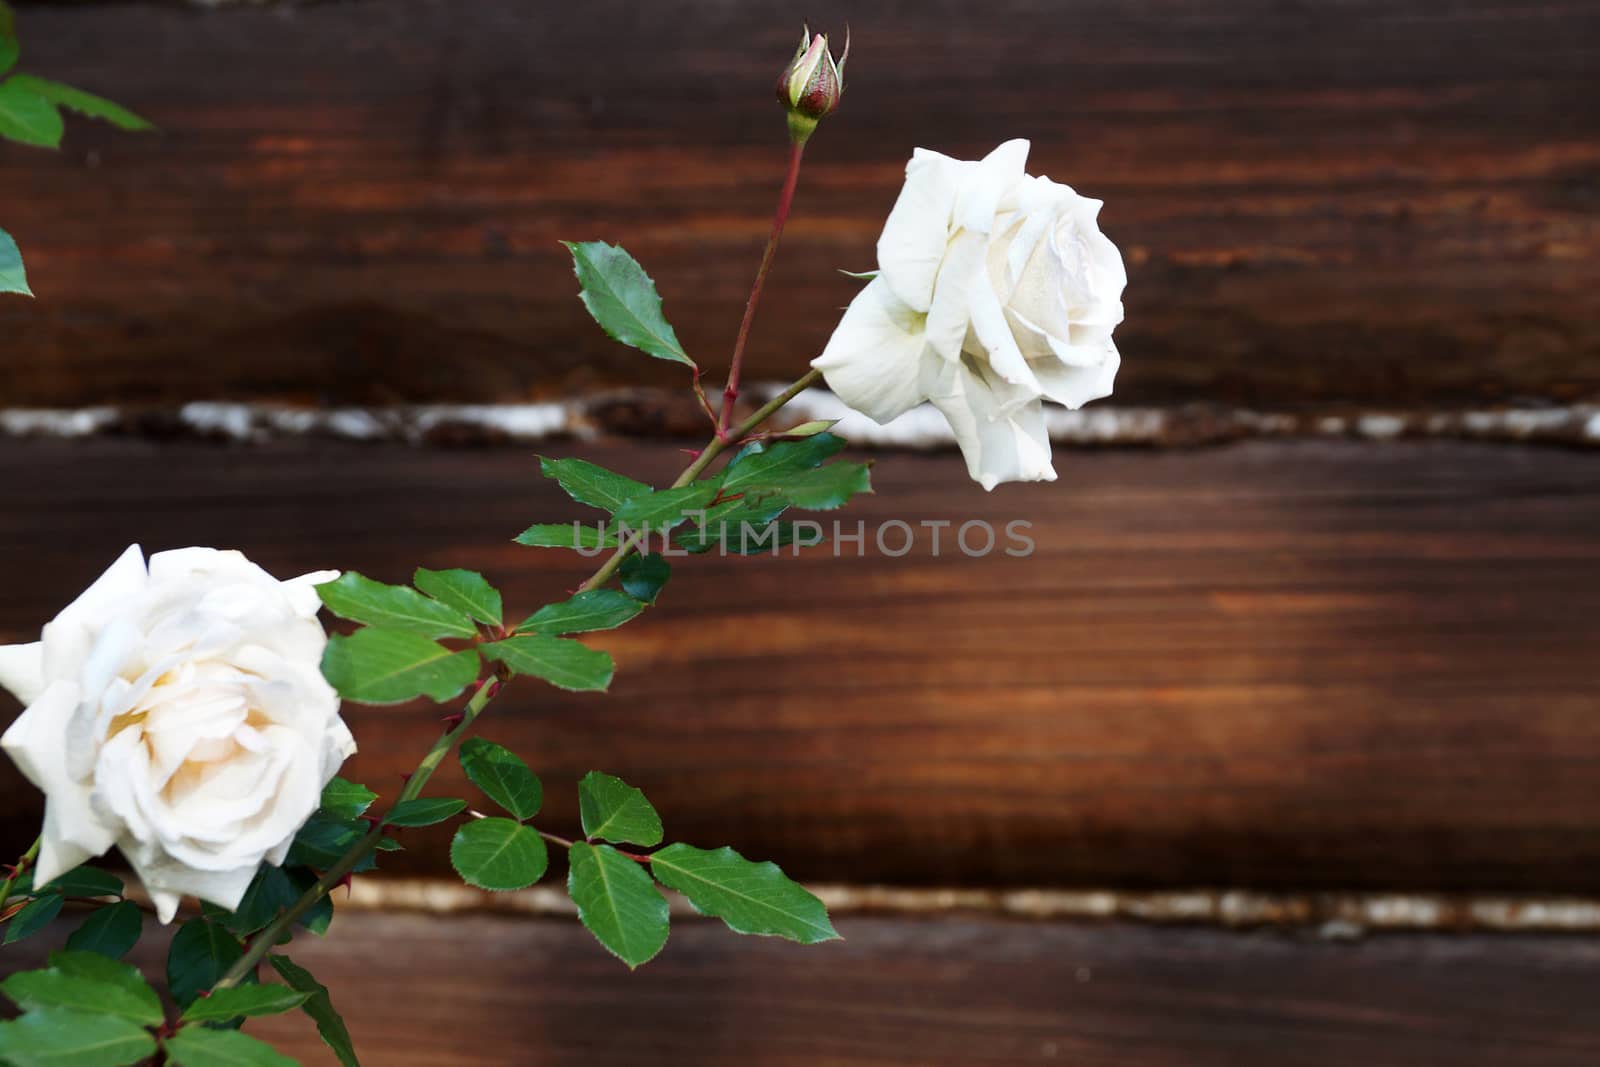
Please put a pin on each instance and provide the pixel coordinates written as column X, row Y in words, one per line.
column 423, row 992
column 1365, row 202
column 1279, row 664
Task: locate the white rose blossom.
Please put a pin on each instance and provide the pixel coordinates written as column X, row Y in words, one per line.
column 178, row 711
column 994, row 289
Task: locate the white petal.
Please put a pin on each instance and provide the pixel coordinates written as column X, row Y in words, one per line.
column 302, row 591
column 123, row 579
column 983, row 188
column 873, row 357
column 22, row 670
column 1075, row 386
column 960, row 278
column 167, row 880
column 913, row 241
column 37, row 744
column 1004, row 448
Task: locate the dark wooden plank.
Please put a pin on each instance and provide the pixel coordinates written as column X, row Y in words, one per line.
column 1289, row 664
column 426, row 992
column 1368, row 202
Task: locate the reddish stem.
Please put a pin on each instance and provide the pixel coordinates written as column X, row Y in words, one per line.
column 785, row 201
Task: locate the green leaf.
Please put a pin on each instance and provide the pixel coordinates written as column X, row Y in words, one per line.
column 86, row 982
column 246, row 1000
column 562, row 662
column 503, row 777
column 28, row 118
column 623, row 300
column 201, row 951
column 498, row 854
column 811, row 429
column 319, row 916
column 13, row 278
column 589, row 484
column 618, row 902
column 10, row 47
column 644, row 575
column 822, row 489
column 322, row 841
column 111, row 931
column 752, row 898
column 465, row 591
column 34, row 916
column 319, row 1007
column 613, row 810
column 423, row 811
column 567, row 535
column 761, row 463
column 86, row 104
column 85, row 882
column 394, row 607
column 660, row 512
column 60, row 1037
column 345, row 799
column 269, row 893
column 200, row 1046
column 749, row 530
column 375, row 666
column 597, row 609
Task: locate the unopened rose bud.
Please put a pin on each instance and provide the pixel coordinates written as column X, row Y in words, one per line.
column 811, row 85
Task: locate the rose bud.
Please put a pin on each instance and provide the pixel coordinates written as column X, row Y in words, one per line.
column 811, row 85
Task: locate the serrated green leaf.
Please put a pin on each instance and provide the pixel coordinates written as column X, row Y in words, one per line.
column 613, row 810
column 423, row 811
column 617, row 902
column 345, row 799
column 374, row 666
column 269, row 893
column 111, row 931
column 84, row 882
column 752, row 898
column 623, row 300
column 13, row 278
column 822, row 489
column 567, row 535
column 320, row 1007
column 392, row 607
column 34, row 916
column 770, row 463
column 498, row 854
column 563, row 663
column 84, row 981
column 747, row 531
column 465, row 591
column 593, row 485
column 245, row 1000
column 319, row 916
column 59, row 1037
column 85, row 104
column 201, row 951
column 644, row 575
column 660, row 512
column 201, row 1046
column 596, row 609
column 28, row 118
column 503, row 777
column 322, row 841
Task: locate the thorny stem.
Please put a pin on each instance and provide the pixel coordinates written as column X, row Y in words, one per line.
column 22, row 864
column 334, row 876
column 781, row 216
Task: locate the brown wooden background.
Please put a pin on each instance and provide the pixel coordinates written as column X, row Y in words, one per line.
column 1296, row 664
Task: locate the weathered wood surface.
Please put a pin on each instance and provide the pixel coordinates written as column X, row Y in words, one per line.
column 1363, row 202
column 1293, row 664
column 425, row 992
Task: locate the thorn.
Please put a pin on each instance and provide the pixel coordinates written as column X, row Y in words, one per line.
column 345, row 882
column 452, row 721
column 405, row 778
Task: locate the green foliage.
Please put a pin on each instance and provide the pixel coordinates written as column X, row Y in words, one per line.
column 200, row 1046
column 566, row 535
column 34, row 916
column 618, row 902
column 593, row 485
column 752, row 898
column 13, row 278
column 201, row 951
column 320, row 1007
column 270, row 892
column 623, row 300
column 245, row 1000
column 394, row 607
column 322, row 841
column 498, row 854
column 61, row 1037
column 465, row 591
column 28, row 118
column 424, row 811
column 86, row 104
column 597, row 609
column 563, row 663
column 344, row 799
column 810, row 429
column 110, row 931
column 822, row 489
column 87, row 982
column 660, row 512
column 319, row 916
column 376, row 666
column 503, row 777
column 613, row 810
column 643, row 576
column 85, row 882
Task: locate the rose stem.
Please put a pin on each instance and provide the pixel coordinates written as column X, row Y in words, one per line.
column 22, row 865
column 264, row 941
column 785, row 201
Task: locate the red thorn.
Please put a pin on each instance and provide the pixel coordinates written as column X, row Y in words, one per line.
column 452, row 721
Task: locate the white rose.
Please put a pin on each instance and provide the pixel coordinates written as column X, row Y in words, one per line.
column 180, row 713
column 994, row 289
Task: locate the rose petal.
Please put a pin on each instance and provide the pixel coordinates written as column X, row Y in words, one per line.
column 872, row 359
column 913, row 240
column 22, row 670
column 37, row 744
